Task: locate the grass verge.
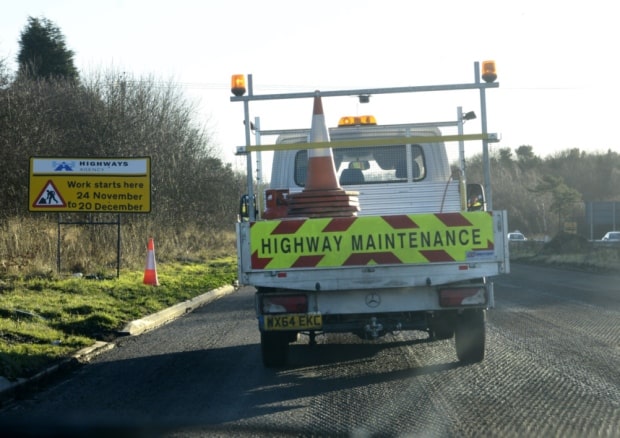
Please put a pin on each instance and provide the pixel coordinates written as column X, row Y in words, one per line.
column 44, row 320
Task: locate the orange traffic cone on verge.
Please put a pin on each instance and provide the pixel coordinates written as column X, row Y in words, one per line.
column 150, row 272
column 322, row 195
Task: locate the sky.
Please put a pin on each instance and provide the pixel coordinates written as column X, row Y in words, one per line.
column 557, row 61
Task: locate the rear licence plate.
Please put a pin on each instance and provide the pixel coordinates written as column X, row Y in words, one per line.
column 293, row 322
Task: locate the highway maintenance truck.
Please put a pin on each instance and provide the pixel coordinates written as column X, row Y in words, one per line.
column 367, row 228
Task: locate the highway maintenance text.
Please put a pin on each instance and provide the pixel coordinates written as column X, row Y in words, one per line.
column 420, row 238
column 370, row 242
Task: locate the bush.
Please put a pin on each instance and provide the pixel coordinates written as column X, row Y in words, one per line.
column 565, row 243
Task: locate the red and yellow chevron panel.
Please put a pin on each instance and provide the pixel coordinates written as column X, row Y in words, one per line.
column 371, row 240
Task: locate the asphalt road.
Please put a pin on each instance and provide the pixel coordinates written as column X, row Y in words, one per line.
column 552, row 369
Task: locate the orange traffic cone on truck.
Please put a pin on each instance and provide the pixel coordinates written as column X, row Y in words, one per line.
column 150, row 271
column 322, row 195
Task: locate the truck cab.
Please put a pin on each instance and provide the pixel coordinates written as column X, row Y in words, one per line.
column 390, row 179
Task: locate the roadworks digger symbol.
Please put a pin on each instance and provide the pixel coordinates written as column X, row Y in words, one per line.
column 49, row 197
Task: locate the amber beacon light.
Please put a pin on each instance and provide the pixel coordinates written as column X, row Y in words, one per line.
column 488, row 71
column 237, row 85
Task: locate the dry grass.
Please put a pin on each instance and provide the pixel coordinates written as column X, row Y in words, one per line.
column 34, row 246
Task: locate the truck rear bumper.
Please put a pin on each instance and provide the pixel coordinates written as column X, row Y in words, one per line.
column 364, row 325
column 373, row 277
column 363, row 311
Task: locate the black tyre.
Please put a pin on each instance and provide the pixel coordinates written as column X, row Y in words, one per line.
column 274, row 348
column 470, row 336
column 442, row 325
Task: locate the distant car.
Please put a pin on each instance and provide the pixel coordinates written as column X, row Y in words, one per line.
column 516, row 237
column 611, row 236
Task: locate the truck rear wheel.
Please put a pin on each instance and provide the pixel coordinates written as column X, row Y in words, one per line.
column 274, row 348
column 470, row 336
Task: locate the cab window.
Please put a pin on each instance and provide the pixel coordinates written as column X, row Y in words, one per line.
column 368, row 165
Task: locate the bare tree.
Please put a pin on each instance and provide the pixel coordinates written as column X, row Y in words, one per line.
column 4, row 75
column 563, row 197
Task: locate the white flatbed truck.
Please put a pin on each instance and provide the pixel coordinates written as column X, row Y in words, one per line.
column 418, row 253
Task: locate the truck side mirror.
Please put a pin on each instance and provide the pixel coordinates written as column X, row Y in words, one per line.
column 475, row 198
column 244, row 208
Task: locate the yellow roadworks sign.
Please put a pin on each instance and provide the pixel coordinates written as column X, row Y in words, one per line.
column 103, row 185
column 372, row 240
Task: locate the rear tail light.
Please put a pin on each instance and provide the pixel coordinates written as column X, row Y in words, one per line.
column 284, row 304
column 462, row 296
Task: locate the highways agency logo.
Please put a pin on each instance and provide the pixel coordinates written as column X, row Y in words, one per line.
column 63, row 166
